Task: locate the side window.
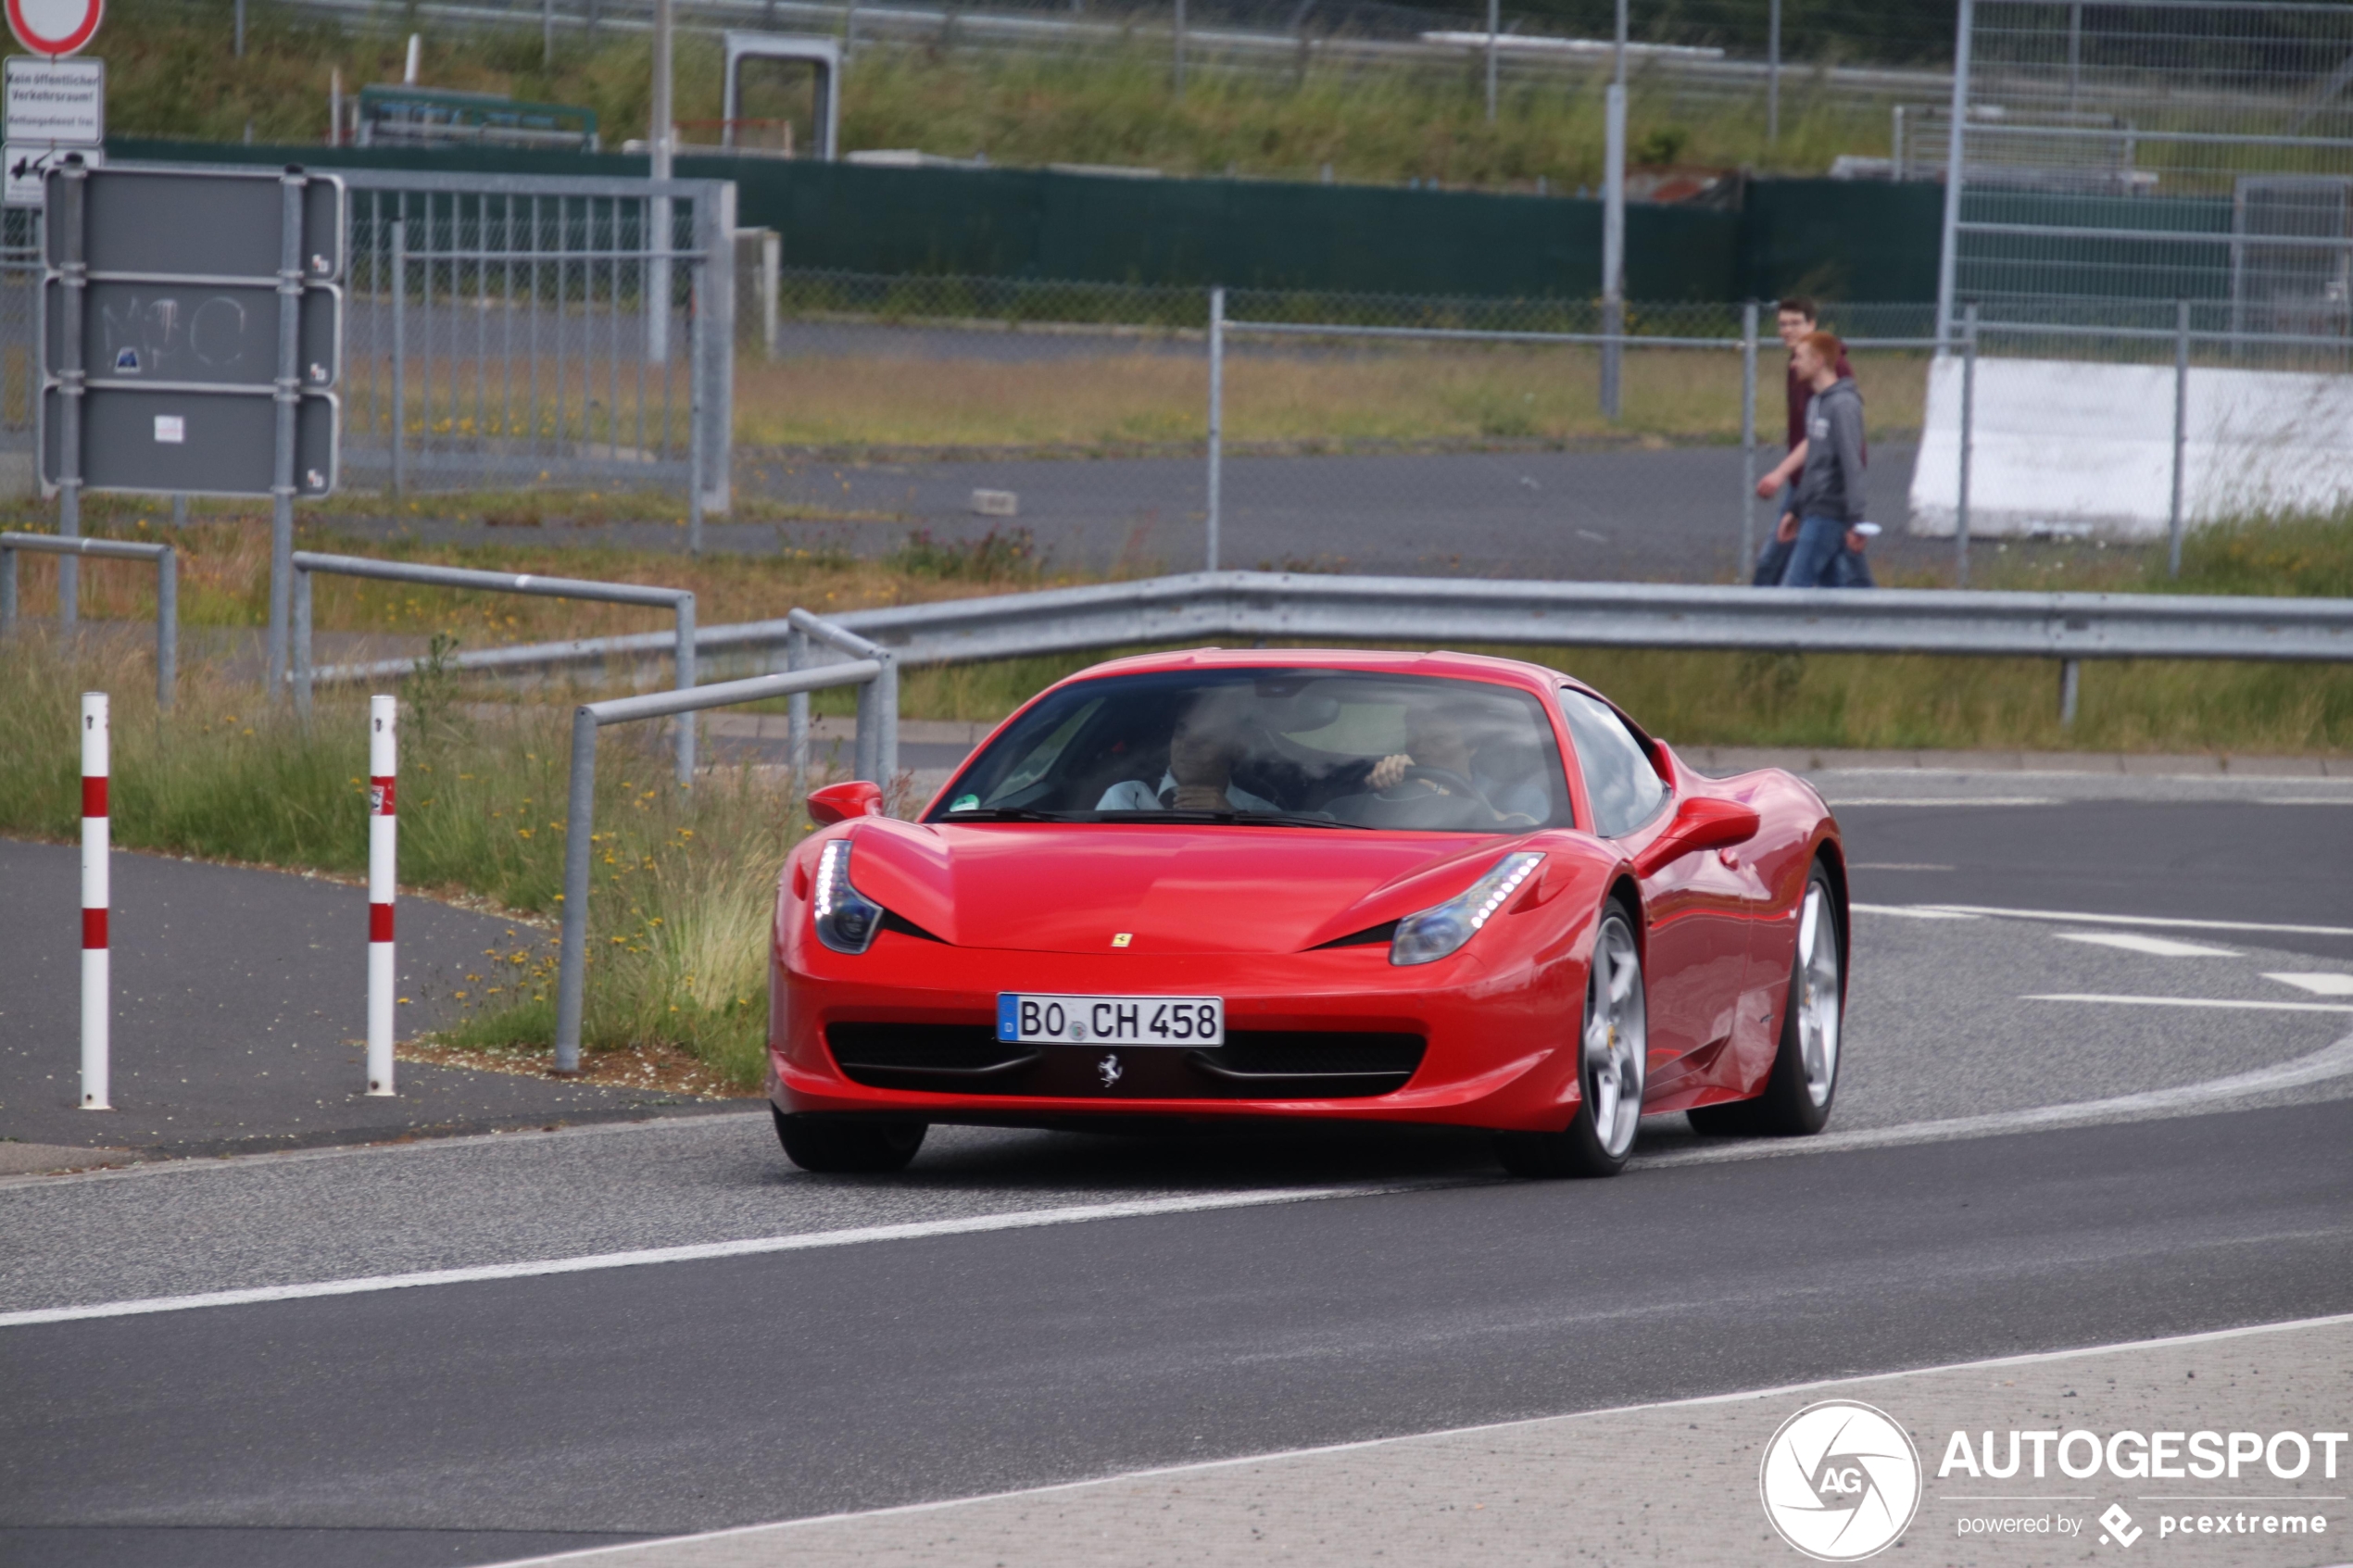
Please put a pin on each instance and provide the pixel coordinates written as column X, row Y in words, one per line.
column 1625, row 790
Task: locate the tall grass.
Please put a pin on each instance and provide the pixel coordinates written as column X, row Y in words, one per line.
column 682, row 878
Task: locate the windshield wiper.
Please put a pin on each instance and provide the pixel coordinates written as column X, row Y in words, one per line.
column 1271, row 819
column 1006, row 814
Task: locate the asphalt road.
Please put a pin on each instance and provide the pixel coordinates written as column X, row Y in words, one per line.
column 1631, row 514
column 481, row 1422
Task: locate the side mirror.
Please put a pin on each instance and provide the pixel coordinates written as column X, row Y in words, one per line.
column 859, row 797
column 1699, row 822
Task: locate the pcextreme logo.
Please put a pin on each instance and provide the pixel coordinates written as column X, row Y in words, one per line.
column 1839, row 1481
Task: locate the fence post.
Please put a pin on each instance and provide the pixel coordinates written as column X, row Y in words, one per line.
column 166, row 624
column 2071, row 676
column 572, row 949
column 1216, row 419
column 8, row 592
column 73, row 285
column 400, row 355
column 384, row 765
column 2180, row 432
column 300, row 653
column 1612, row 248
column 1181, row 48
column 97, row 1009
column 685, row 679
column 1969, row 417
column 1748, row 437
column 797, row 712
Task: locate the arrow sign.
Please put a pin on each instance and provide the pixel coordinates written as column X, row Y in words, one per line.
column 54, row 28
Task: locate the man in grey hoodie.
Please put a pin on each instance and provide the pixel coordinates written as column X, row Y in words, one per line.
column 1827, row 502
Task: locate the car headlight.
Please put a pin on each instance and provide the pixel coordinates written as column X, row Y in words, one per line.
column 1442, row 928
column 846, row 919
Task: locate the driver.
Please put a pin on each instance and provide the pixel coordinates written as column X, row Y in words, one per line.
column 1507, row 776
column 1201, row 753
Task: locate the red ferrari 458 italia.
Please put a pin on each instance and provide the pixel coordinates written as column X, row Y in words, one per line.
column 1429, row 888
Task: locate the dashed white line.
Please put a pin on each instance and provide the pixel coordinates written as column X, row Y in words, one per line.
column 2156, row 946
column 2076, row 917
column 2234, row 1002
column 1943, row 801
column 2319, row 984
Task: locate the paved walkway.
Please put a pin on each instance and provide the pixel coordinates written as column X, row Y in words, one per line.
column 240, row 1016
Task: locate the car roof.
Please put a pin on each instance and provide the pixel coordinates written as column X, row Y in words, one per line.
column 1384, row 661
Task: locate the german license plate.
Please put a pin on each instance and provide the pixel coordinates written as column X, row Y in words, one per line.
column 1114, row 1020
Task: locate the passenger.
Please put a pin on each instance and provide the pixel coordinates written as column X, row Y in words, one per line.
column 1508, row 776
column 1201, row 753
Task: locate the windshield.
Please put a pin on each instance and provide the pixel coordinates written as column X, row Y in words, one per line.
column 1303, row 748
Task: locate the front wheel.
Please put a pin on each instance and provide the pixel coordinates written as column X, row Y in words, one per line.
column 1803, row 1083
column 1613, row 1054
column 841, row 1143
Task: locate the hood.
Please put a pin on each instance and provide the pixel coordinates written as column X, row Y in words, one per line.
column 1070, row 887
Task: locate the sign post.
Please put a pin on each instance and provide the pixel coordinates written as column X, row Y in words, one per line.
column 192, row 341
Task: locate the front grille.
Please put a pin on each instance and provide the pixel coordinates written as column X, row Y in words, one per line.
column 1252, row 1064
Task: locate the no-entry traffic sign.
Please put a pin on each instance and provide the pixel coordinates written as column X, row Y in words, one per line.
column 54, row 28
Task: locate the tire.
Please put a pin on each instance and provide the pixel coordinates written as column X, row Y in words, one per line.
column 1803, row 1083
column 1613, row 1054
column 845, row 1145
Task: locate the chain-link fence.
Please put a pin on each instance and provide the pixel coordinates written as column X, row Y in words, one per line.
column 1352, row 432
column 20, row 268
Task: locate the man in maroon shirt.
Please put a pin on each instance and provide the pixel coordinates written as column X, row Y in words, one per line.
column 1794, row 317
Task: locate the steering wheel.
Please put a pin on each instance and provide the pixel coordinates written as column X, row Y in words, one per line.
column 1446, row 778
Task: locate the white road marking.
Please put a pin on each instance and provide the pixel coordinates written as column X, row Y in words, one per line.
column 1896, row 866
column 2183, row 1100
column 2158, row 947
column 2193, row 1002
column 2307, row 800
column 1911, row 911
column 1026, row 1219
column 1783, row 1391
column 2078, row 918
column 1943, row 801
column 2319, row 984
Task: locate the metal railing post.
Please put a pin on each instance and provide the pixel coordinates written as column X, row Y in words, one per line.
column 684, row 661
column 698, row 333
column 400, row 355
column 571, row 949
column 885, row 689
column 1968, row 420
column 301, row 652
column 1217, row 419
column 2180, row 432
column 864, row 763
column 8, row 591
column 167, row 625
column 73, row 275
column 1748, row 438
column 2071, row 677
column 288, row 399
column 797, row 710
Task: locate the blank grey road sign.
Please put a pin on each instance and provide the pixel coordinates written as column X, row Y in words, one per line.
column 199, row 334
column 202, row 443
column 202, row 223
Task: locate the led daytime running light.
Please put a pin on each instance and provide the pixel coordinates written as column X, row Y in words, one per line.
column 846, row 920
column 1444, row 928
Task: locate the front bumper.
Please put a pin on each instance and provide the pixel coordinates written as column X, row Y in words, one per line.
column 907, row 1029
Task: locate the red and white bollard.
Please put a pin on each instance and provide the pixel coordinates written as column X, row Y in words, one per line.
column 382, row 763
column 95, row 1010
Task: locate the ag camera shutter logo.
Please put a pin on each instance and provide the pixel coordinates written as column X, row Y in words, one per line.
column 1839, row 1481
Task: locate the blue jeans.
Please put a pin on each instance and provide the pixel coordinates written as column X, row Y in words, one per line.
column 1814, row 559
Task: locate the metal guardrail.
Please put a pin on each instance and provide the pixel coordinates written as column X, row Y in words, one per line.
column 1197, row 605
column 679, row 601
column 579, row 807
column 167, row 590
column 876, row 748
